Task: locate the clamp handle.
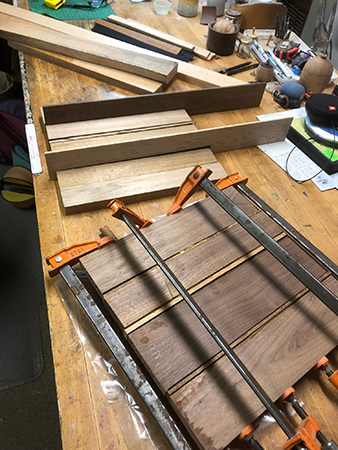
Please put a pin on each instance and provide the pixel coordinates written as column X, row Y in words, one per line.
column 71, row 255
column 305, row 434
column 188, row 188
column 119, row 209
column 322, row 364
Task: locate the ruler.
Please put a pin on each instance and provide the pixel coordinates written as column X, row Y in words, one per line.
column 33, row 149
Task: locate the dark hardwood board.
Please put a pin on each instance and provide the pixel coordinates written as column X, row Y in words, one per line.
column 218, row 404
column 135, row 299
column 126, row 258
column 175, row 343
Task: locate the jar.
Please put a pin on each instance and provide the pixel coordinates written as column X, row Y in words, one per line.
column 234, row 16
column 187, row 8
column 244, row 47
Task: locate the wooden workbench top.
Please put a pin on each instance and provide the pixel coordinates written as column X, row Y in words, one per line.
column 88, row 420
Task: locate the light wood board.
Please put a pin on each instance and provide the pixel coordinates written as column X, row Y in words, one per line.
column 124, row 80
column 147, row 66
column 218, row 139
column 116, row 125
column 154, row 182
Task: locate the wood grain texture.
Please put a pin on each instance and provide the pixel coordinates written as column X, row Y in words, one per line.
column 127, row 258
column 124, row 80
column 198, row 101
column 151, row 288
column 147, row 66
column 123, row 124
column 148, row 185
column 116, row 138
column 234, row 302
column 279, row 355
column 218, row 139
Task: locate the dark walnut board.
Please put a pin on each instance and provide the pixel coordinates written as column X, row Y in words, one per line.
column 278, row 328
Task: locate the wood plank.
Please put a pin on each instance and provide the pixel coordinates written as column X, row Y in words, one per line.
column 167, row 46
column 149, row 31
column 218, row 139
column 187, row 72
column 124, row 80
column 96, row 195
column 147, row 66
column 198, row 101
column 181, row 341
column 118, row 124
column 107, row 172
column 153, row 291
column 210, row 217
column 278, row 355
column 110, row 139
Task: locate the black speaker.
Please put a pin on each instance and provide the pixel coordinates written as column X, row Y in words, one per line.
column 322, row 109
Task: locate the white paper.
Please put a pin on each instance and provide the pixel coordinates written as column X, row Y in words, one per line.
column 33, row 149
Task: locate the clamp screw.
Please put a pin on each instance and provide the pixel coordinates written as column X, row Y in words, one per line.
column 58, row 259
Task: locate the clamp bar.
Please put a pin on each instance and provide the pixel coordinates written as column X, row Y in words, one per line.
column 289, row 229
column 71, row 255
column 288, row 261
column 216, row 335
column 123, row 357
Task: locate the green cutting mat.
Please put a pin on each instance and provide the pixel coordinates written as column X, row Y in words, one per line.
column 64, row 13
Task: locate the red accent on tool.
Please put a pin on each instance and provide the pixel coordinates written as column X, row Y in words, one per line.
column 322, row 364
column 305, row 434
column 71, row 255
column 120, row 208
column 188, row 188
column 230, row 180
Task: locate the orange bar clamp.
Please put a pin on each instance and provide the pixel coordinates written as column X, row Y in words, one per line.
column 120, row 208
column 71, row 255
column 322, row 364
column 191, row 184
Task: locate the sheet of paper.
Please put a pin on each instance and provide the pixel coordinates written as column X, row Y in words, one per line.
column 291, row 159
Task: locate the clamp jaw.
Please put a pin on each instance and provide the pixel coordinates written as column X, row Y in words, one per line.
column 119, row 209
column 192, row 182
column 322, row 364
column 71, row 255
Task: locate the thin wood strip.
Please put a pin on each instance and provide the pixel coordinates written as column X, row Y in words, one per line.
column 148, row 66
column 118, row 124
column 198, row 101
column 126, row 258
column 169, row 47
column 82, row 198
column 145, row 29
column 124, row 80
column 218, row 139
column 195, row 264
column 278, row 356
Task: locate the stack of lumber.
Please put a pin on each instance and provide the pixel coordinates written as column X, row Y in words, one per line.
column 99, row 151
column 278, row 328
column 110, row 60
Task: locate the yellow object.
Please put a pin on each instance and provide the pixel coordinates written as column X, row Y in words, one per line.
column 54, row 4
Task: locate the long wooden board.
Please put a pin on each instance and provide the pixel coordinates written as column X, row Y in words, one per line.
column 187, row 72
column 131, row 181
column 198, row 101
column 118, row 125
column 124, row 80
column 218, row 139
column 238, row 294
column 147, row 66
